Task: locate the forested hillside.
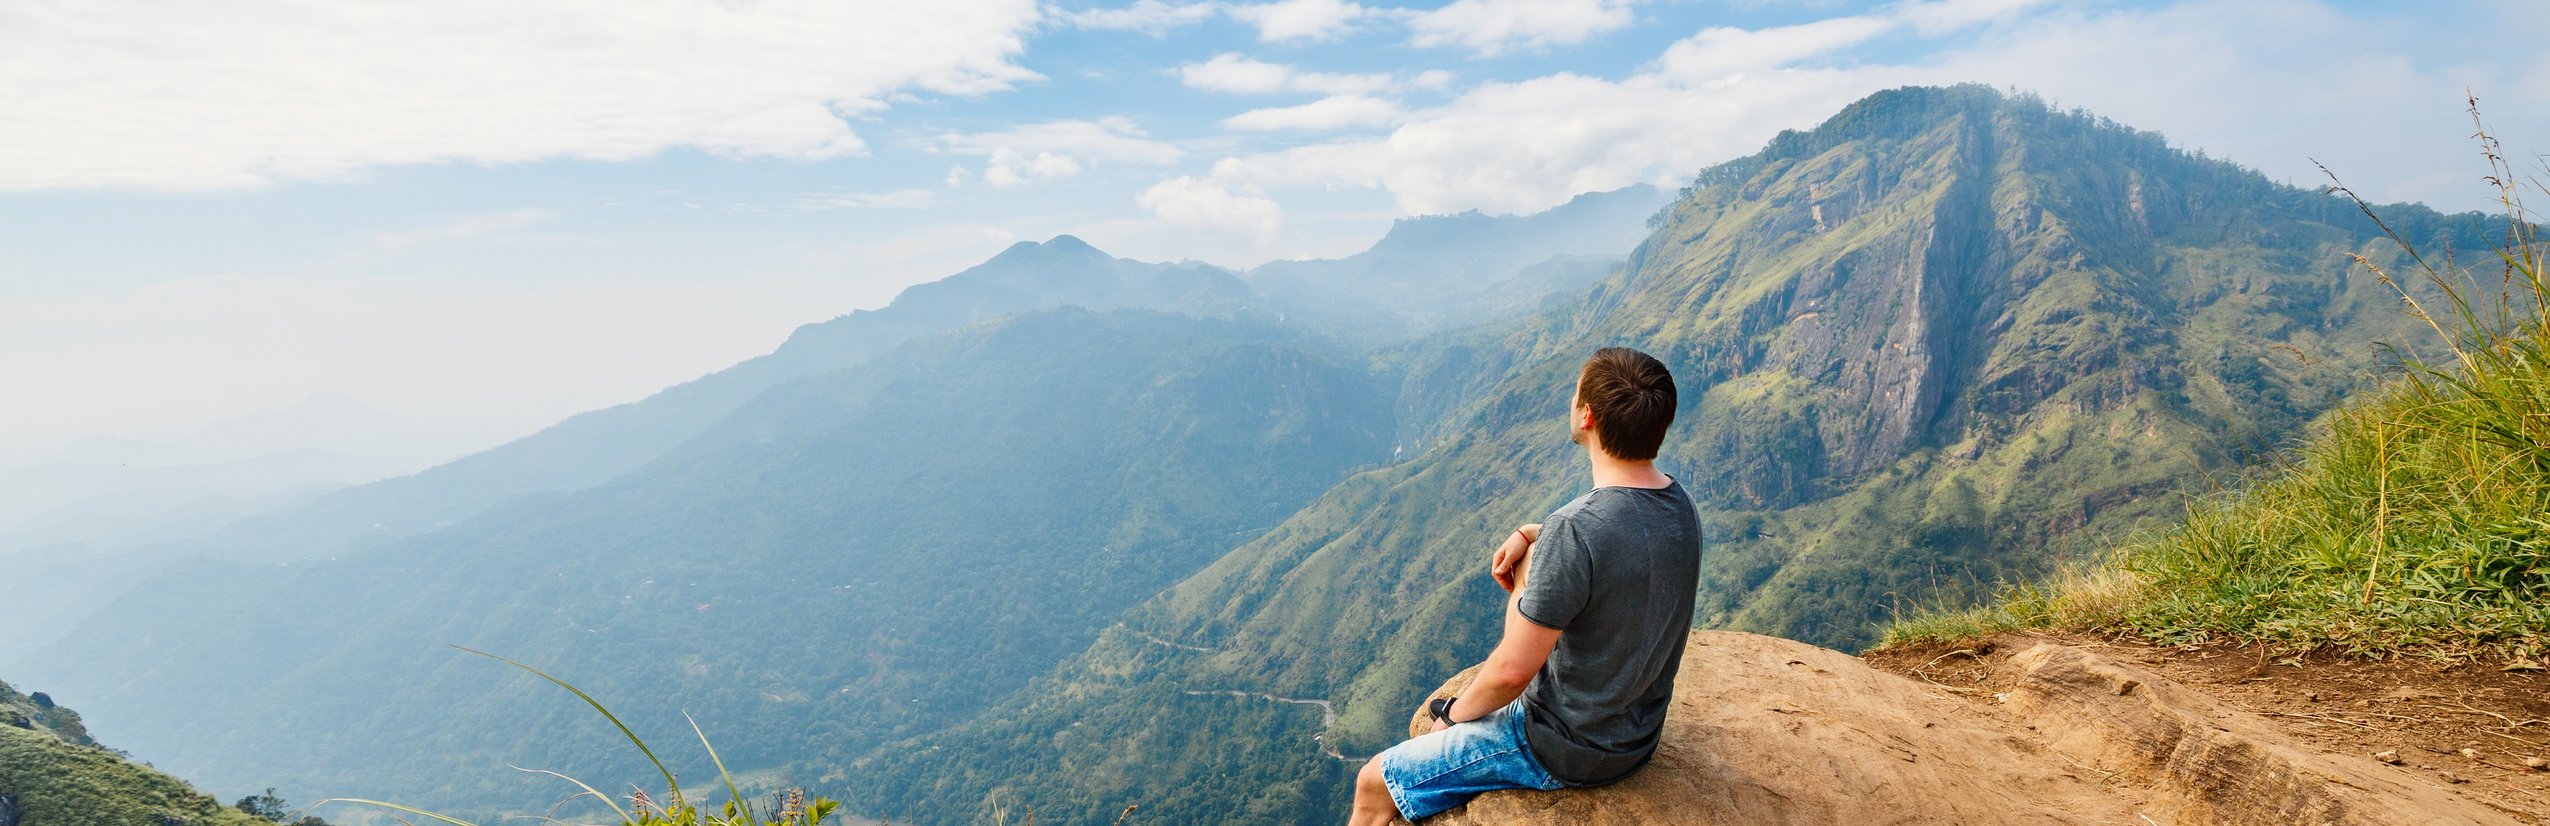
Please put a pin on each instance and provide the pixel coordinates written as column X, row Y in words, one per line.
column 1945, row 339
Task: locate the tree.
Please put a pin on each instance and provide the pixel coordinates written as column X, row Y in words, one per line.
column 263, row 806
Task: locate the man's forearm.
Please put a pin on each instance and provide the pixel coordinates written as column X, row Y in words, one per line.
column 1509, row 668
column 1485, row 695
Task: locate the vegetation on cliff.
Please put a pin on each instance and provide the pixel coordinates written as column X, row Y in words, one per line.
column 2417, row 519
column 53, row 774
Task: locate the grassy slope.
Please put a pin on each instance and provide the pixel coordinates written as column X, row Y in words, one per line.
column 2413, row 521
column 61, row 778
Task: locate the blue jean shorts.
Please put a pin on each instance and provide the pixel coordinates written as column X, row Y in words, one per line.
column 1438, row 771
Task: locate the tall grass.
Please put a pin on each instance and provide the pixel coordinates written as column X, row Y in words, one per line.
column 794, row 809
column 2420, row 520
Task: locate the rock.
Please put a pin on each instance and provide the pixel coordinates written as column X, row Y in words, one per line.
column 2536, row 764
column 2204, row 762
column 2391, row 757
column 2470, row 754
column 2450, row 777
column 1770, row 731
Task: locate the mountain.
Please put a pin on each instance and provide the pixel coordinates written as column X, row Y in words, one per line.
column 580, row 452
column 112, row 491
column 1945, row 339
column 52, row 773
column 846, row 559
column 1434, row 272
column 594, row 447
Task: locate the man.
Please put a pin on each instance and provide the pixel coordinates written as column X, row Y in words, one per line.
column 1600, row 604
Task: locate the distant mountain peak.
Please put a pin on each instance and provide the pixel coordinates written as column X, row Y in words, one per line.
column 1059, row 248
column 1071, row 243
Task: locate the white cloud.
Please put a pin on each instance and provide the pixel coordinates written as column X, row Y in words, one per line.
column 1058, row 149
column 1719, row 52
column 1151, row 17
column 1010, row 167
column 464, row 228
column 897, row 199
column 142, row 95
column 1940, row 16
column 1335, row 112
column 1237, row 74
column 1301, row 19
column 2265, row 83
column 1490, row 27
column 1229, row 72
column 1188, row 201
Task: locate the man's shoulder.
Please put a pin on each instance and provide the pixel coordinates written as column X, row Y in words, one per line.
column 1573, row 507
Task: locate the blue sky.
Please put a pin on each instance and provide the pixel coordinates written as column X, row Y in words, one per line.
column 502, row 213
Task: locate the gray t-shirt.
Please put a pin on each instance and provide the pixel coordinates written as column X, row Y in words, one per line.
column 1617, row 570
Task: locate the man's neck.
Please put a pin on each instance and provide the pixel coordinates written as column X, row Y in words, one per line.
column 1613, row 472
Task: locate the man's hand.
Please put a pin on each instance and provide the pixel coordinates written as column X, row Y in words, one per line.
column 1507, row 565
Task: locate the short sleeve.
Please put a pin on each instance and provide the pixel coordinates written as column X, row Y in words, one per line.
column 1555, row 588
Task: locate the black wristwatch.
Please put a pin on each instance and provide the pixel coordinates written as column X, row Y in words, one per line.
column 1441, row 710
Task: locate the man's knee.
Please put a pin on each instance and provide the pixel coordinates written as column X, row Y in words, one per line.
column 1370, row 776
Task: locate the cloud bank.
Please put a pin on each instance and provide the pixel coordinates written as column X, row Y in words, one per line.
column 134, row 94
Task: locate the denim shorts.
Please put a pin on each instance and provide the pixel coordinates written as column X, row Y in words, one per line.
column 1438, row 771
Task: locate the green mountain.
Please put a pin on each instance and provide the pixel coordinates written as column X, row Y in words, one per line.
column 848, row 559
column 1945, row 339
column 52, row 774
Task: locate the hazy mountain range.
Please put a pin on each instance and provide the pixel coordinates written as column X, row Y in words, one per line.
column 1074, row 532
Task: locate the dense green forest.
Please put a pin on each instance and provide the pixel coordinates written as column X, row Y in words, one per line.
column 961, row 561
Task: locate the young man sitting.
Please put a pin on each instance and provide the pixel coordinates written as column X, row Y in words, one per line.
column 1600, row 604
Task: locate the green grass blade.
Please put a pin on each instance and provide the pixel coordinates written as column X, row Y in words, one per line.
column 395, row 807
column 597, row 794
column 721, row 767
column 597, row 706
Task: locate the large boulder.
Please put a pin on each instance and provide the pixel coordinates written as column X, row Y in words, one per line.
column 1766, row 731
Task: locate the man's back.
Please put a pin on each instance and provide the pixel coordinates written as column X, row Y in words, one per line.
column 1617, row 570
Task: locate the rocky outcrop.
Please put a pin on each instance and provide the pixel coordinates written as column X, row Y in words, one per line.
column 1769, row 731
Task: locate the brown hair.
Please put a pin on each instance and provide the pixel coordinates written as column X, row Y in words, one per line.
column 1631, row 396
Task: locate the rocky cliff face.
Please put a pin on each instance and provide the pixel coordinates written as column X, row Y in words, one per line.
column 1766, row 732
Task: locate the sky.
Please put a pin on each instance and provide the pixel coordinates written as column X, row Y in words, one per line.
column 499, row 213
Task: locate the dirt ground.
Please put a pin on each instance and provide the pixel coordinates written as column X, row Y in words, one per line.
column 2472, row 725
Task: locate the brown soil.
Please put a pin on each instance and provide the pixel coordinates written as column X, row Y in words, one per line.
column 2426, row 712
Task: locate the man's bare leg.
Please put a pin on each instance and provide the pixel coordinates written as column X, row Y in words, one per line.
column 1373, row 806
